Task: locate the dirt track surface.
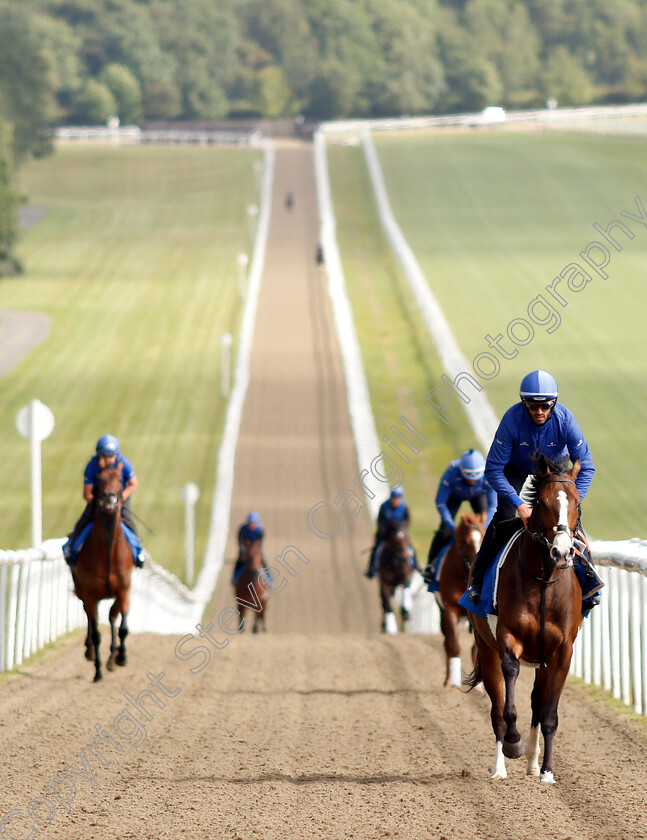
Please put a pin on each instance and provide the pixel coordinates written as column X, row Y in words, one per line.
column 322, row 728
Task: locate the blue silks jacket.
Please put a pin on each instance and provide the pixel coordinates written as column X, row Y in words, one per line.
column 452, row 484
column 518, row 440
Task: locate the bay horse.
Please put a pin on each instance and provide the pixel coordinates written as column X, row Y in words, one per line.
column 539, row 614
column 394, row 569
column 452, row 577
column 252, row 586
column 103, row 570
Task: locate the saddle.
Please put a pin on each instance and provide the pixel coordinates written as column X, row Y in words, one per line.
column 133, row 541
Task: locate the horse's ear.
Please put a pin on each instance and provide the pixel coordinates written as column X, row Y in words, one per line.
column 542, row 468
column 575, row 469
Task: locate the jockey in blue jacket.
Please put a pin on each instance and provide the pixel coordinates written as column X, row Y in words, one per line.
column 463, row 481
column 393, row 511
column 107, row 454
column 537, row 425
column 250, row 531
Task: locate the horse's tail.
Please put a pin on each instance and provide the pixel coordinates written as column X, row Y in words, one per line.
column 475, row 677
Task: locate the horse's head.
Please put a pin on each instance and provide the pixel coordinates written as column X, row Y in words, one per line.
column 252, row 555
column 556, row 508
column 109, row 490
column 397, row 538
column 469, row 534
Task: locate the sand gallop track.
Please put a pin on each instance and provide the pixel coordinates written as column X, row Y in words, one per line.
column 322, row 728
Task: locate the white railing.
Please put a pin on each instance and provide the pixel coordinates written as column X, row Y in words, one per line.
column 611, row 649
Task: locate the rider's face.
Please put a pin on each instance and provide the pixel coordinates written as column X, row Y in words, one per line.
column 107, row 461
column 539, row 411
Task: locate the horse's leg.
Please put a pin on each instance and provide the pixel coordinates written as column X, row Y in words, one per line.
column 389, row 621
column 114, row 612
column 513, row 744
column 406, row 606
column 89, row 646
column 536, row 700
column 554, row 680
column 449, row 627
column 494, row 686
column 95, row 636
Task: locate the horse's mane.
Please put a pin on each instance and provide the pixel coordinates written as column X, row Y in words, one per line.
column 533, row 483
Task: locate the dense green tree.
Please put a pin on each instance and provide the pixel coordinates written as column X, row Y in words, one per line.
column 10, row 200
column 126, row 91
column 94, row 104
column 26, row 82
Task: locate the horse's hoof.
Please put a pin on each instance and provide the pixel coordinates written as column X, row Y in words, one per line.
column 97, row 678
column 514, row 750
column 120, row 659
column 547, row 777
column 110, row 664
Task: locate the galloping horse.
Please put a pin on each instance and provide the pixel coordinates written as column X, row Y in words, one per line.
column 395, row 569
column 452, row 578
column 103, row 570
column 250, row 592
column 539, row 615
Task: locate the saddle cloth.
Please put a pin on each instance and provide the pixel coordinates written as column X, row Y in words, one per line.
column 133, row 540
column 488, row 603
column 437, row 567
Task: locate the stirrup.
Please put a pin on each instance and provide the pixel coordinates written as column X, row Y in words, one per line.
column 475, row 596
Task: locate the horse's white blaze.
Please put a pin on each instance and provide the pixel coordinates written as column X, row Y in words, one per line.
column 532, row 752
column 455, row 672
column 390, row 624
column 476, row 538
column 499, row 771
column 562, row 541
column 407, row 599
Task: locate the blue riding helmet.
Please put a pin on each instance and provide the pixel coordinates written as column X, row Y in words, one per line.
column 253, row 518
column 108, row 445
column 538, row 385
column 472, row 465
column 397, row 492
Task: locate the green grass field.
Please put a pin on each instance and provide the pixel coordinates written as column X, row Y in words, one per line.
column 135, row 263
column 493, row 218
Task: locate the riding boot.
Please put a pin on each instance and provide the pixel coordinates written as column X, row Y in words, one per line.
column 68, row 547
column 441, row 538
column 371, row 571
column 238, row 568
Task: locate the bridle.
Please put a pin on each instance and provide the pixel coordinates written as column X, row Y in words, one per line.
column 543, row 540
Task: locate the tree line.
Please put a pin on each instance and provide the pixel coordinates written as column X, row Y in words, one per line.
column 83, row 61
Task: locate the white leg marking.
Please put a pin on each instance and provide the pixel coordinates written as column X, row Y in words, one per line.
column 532, row 752
column 547, row 777
column 455, row 672
column 407, row 600
column 499, row 771
column 390, row 624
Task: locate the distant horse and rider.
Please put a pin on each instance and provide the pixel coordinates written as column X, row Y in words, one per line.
column 453, row 548
column 102, row 550
column 393, row 559
column 451, row 577
column 251, row 578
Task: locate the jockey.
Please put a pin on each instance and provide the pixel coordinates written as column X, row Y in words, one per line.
column 107, row 455
column 250, row 531
column 462, row 481
column 537, row 425
column 393, row 511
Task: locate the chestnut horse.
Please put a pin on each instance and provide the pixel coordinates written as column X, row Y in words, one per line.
column 452, row 577
column 394, row 559
column 539, row 614
column 103, row 570
column 252, row 586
